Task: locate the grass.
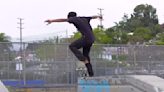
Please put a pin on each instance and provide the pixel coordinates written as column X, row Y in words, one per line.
column 8, row 87
column 22, row 90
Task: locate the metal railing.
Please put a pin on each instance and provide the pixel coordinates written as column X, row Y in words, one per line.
column 56, row 64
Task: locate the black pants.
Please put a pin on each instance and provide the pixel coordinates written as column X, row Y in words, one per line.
column 81, row 43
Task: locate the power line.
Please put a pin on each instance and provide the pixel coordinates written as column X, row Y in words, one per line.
column 101, row 26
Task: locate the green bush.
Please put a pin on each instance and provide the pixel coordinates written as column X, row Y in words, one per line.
column 160, row 43
column 120, row 57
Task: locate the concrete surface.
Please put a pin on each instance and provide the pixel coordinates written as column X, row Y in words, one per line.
column 149, row 83
column 129, row 83
column 3, row 88
column 103, row 88
column 124, row 83
column 105, row 84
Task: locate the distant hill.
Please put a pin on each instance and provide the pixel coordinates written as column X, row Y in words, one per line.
column 35, row 38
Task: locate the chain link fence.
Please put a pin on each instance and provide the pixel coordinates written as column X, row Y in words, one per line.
column 56, row 64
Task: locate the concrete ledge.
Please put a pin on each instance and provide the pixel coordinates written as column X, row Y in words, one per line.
column 129, row 83
column 3, row 88
column 148, row 83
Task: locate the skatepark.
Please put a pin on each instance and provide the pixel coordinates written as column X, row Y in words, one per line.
column 69, row 75
column 131, row 83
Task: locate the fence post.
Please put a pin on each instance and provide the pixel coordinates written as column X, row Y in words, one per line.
column 24, row 65
column 33, row 60
column 44, row 62
column 135, row 57
column 8, row 63
column 134, row 60
column 55, row 63
column 162, row 69
column 95, row 62
column 118, row 71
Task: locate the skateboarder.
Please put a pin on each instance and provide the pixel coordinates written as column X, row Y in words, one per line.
column 85, row 42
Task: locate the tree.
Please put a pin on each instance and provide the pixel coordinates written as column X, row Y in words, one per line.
column 51, row 50
column 146, row 14
column 161, row 37
column 113, row 34
column 143, row 16
column 100, row 35
column 136, row 38
column 117, row 36
column 144, row 33
column 5, row 38
column 124, row 25
column 140, row 35
column 77, row 35
column 35, row 45
column 125, row 37
column 155, row 30
column 45, row 50
column 5, row 46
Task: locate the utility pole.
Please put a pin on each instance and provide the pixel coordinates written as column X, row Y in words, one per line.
column 101, row 26
column 20, row 24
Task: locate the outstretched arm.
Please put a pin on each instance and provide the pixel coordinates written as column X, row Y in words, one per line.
column 56, row 20
column 95, row 17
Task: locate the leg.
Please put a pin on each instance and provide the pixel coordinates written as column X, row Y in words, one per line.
column 86, row 51
column 81, row 42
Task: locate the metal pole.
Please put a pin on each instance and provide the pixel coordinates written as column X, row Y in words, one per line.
column 24, row 65
column 55, row 65
column 33, row 60
column 8, row 65
column 118, row 72
column 4, row 63
column 162, row 69
column 67, row 59
column 20, row 45
column 44, row 65
column 135, row 60
column 101, row 27
column 95, row 60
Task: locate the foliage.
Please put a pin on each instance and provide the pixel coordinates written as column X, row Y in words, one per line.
column 143, row 32
column 100, row 35
column 45, row 50
column 5, row 38
column 5, row 47
column 155, row 30
column 145, row 15
column 143, row 18
column 120, row 57
column 160, row 43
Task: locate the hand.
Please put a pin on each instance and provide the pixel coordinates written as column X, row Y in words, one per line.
column 49, row 22
column 100, row 17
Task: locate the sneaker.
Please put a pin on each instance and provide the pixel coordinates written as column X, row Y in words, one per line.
column 89, row 69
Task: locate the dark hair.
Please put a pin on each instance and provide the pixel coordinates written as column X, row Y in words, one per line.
column 71, row 14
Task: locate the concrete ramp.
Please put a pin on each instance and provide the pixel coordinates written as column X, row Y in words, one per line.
column 3, row 88
column 148, row 83
column 130, row 83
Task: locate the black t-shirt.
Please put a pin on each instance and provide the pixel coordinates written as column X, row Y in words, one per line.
column 83, row 25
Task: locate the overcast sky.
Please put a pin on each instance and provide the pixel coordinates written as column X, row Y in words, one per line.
column 35, row 12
